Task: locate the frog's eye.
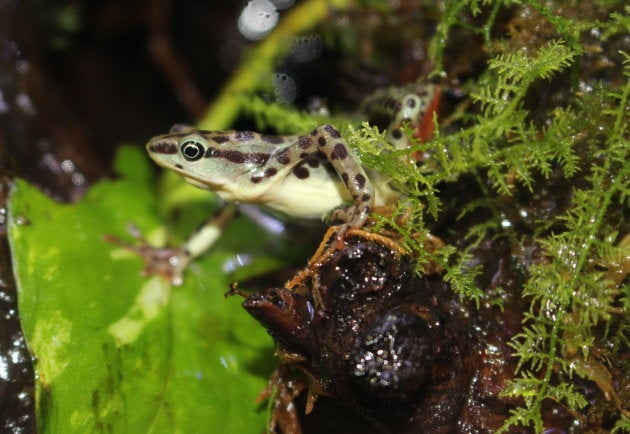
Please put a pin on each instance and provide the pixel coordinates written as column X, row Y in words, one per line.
column 192, row 150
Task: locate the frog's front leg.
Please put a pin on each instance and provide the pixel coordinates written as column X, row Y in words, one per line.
column 327, row 139
column 202, row 239
column 171, row 263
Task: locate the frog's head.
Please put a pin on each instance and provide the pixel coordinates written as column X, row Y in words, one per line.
column 186, row 151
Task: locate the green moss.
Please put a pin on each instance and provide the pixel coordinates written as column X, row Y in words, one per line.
column 507, row 144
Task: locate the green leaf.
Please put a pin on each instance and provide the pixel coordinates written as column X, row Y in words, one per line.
column 116, row 352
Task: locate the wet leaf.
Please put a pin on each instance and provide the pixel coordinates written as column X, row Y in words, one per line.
column 116, row 352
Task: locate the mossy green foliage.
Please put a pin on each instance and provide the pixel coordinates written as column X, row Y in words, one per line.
column 584, row 138
column 191, row 346
column 117, row 352
column 569, row 294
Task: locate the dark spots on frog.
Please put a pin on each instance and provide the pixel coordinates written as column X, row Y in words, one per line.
column 301, row 172
column 313, row 162
column 221, row 139
column 332, row 131
column 329, row 168
column 406, row 119
column 304, row 142
column 243, row 136
column 163, row 148
column 313, row 159
column 339, row 152
column 360, row 180
column 366, row 197
column 411, row 103
column 283, row 157
column 232, row 156
column 398, row 107
column 314, row 132
column 270, row 172
column 211, row 153
column 275, row 140
column 321, row 141
column 256, row 179
column 256, row 158
column 238, row 157
column 396, row 134
column 345, row 178
column 179, row 166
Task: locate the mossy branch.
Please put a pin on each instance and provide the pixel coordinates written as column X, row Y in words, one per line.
column 503, row 148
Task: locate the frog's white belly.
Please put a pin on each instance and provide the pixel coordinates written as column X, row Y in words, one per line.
column 311, row 199
column 308, row 199
column 303, row 199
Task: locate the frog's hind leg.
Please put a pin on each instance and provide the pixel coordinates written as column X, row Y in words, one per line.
column 328, row 141
column 410, row 106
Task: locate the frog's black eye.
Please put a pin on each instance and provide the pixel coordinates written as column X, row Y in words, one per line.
column 192, row 150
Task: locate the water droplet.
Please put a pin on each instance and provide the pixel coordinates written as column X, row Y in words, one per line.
column 25, row 103
column 284, row 87
column 67, row 166
column 78, row 179
column 257, row 19
column 306, row 48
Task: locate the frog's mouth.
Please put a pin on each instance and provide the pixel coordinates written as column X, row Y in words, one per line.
column 198, row 182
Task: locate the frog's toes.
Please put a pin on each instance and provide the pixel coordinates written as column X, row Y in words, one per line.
column 350, row 214
column 339, row 237
column 167, row 262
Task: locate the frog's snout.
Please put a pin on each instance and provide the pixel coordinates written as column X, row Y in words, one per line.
column 163, row 146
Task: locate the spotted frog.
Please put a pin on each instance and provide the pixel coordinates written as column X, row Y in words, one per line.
column 303, row 176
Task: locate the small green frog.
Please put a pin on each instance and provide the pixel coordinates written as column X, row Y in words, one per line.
column 302, row 176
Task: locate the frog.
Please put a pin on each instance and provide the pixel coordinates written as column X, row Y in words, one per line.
column 300, row 176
